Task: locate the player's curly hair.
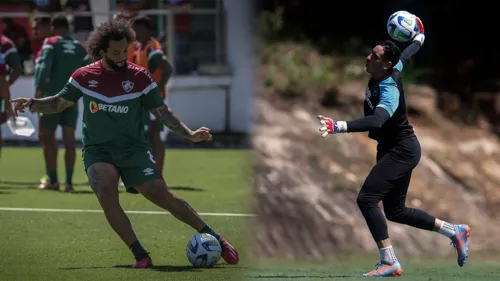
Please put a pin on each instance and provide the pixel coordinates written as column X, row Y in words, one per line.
column 391, row 51
column 111, row 30
column 122, row 15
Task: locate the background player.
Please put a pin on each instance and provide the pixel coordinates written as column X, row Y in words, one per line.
column 115, row 144
column 61, row 55
column 398, row 153
column 41, row 31
column 10, row 70
column 147, row 52
column 5, row 108
column 11, row 58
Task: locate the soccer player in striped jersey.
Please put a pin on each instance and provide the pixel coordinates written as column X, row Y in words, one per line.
column 10, row 70
column 115, row 94
column 5, row 108
column 60, row 56
column 11, row 58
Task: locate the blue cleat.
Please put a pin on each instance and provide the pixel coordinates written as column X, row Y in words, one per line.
column 385, row 270
column 461, row 243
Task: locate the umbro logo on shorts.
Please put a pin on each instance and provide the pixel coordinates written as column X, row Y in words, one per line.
column 148, row 171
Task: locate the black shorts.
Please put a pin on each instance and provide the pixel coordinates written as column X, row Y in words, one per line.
column 390, row 177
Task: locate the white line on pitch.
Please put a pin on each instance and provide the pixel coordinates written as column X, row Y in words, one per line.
column 129, row 212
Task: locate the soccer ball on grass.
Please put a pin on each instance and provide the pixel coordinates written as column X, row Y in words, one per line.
column 402, row 26
column 203, row 250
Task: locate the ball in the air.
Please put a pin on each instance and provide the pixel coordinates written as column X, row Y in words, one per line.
column 402, row 26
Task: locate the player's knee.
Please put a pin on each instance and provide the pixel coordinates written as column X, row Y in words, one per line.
column 70, row 145
column 395, row 214
column 46, row 135
column 370, row 194
column 154, row 189
column 166, row 193
column 106, row 198
column 41, row 136
column 68, row 136
column 366, row 200
column 163, row 190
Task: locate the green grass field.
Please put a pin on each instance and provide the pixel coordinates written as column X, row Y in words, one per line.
column 40, row 245
column 414, row 270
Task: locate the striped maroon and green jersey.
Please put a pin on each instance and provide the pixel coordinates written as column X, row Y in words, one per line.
column 60, row 56
column 114, row 104
column 9, row 52
column 7, row 47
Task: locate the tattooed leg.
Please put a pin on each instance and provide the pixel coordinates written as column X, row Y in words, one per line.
column 103, row 179
column 158, row 193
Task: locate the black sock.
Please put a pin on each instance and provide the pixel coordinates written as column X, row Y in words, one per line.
column 209, row 230
column 53, row 177
column 69, row 176
column 138, row 250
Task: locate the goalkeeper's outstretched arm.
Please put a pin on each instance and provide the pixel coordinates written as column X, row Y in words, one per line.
column 412, row 50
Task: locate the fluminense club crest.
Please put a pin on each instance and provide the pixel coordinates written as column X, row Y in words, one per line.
column 127, row 85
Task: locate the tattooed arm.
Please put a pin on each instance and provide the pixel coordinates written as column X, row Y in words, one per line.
column 168, row 117
column 68, row 96
column 50, row 105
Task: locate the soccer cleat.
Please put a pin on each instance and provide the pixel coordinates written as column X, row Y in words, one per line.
column 461, row 242
column 143, row 262
column 48, row 186
column 68, row 188
column 45, row 178
column 385, row 270
column 229, row 253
